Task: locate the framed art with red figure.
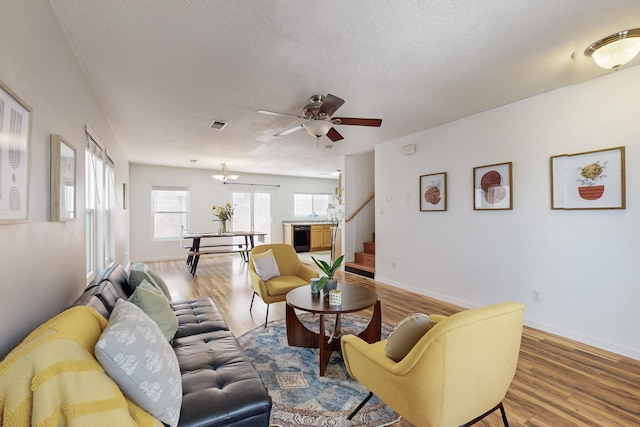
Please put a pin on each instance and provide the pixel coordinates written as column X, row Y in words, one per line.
column 433, row 192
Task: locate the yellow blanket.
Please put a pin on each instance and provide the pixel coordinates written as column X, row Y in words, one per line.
column 53, row 379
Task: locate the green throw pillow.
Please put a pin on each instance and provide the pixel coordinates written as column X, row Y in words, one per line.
column 406, row 334
column 157, row 307
column 140, row 272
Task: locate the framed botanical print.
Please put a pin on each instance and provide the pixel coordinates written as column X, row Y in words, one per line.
column 433, row 192
column 493, row 187
column 589, row 180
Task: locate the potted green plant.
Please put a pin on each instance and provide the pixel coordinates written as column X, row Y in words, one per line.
column 327, row 283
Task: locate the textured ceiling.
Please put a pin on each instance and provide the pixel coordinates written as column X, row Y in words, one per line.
column 163, row 70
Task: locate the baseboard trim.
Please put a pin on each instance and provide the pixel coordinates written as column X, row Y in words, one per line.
column 359, row 271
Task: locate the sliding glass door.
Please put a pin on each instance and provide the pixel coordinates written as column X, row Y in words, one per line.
column 253, row 211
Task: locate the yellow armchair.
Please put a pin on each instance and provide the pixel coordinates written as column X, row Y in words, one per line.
column 457, row 373
column 292, row 275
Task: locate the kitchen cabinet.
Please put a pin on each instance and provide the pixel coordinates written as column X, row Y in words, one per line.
column 327, row 232
column 317, row 237
column 321, row 237
column 287, row 234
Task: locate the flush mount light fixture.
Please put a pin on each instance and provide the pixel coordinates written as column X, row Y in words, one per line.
column 225, row 177
column 615, row 50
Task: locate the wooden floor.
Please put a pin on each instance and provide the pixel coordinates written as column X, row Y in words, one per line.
column 558, row 383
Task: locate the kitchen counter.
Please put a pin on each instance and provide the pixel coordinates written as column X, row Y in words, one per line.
column 306, row 223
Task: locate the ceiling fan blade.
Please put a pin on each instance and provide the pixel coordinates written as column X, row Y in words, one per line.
column 354, row 121
column 275, row 113
column 290, row 130
column 334, row 135
column 330, row 104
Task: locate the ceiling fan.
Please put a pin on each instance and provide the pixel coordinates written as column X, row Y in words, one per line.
column 318, row 120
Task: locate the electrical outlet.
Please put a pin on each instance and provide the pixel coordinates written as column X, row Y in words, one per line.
column 537, row 296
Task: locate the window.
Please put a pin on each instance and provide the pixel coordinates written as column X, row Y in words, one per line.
column 311, row 205
column 169, row 207
column 110, row 216
column 252, row 211
column 100, row 206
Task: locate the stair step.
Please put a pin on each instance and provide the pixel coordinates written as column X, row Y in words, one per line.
column 368, row 260
column 370, row 248
column 362, row 270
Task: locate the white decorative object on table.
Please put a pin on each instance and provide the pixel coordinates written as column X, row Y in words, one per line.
column 335, row 297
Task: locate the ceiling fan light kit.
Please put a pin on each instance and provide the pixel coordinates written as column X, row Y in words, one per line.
column 318, row 122
column 318, row 127
column 615, row 50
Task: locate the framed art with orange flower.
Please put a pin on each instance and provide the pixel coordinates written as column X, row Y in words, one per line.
column 493, row 187
column 589, row 180
column 433, row 192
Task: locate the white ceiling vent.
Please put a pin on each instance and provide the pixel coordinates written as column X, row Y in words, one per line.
column 217, row 124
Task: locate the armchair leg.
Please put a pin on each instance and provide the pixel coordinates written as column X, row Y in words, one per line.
column 504, row 415
column 266, row 319
column 498, row 406
column 252, row 297
column 364, row 402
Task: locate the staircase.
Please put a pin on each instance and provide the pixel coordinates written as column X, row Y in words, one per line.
column 365, row 262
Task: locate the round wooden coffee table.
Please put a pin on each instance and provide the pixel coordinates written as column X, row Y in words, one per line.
column 354, row 298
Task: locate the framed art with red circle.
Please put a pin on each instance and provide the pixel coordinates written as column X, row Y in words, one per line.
column 433, row 192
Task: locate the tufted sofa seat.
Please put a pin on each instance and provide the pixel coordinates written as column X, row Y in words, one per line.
column 197, row 316
column 220, row 386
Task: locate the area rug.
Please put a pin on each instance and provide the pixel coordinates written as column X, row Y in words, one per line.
column 301, row 397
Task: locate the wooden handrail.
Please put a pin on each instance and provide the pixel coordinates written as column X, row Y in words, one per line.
column 353, row 215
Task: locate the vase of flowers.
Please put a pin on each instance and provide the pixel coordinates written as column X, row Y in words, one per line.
column 328, row 283
column 224, row 214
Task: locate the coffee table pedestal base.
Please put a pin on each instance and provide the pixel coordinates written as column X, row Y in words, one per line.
column 299, row 335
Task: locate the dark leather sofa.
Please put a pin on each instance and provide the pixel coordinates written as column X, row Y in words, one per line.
column 220, row 386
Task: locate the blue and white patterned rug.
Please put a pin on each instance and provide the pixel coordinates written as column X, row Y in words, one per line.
column 300, row 396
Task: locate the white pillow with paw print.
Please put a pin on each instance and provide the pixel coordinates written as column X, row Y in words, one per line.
column 135, row 353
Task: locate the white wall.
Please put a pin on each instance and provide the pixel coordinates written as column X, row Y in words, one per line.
column 584, row 263
column 42, row 262
column 359, row 184
column 204, row 192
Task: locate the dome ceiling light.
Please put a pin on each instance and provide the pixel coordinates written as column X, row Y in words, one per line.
column 614, row 51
